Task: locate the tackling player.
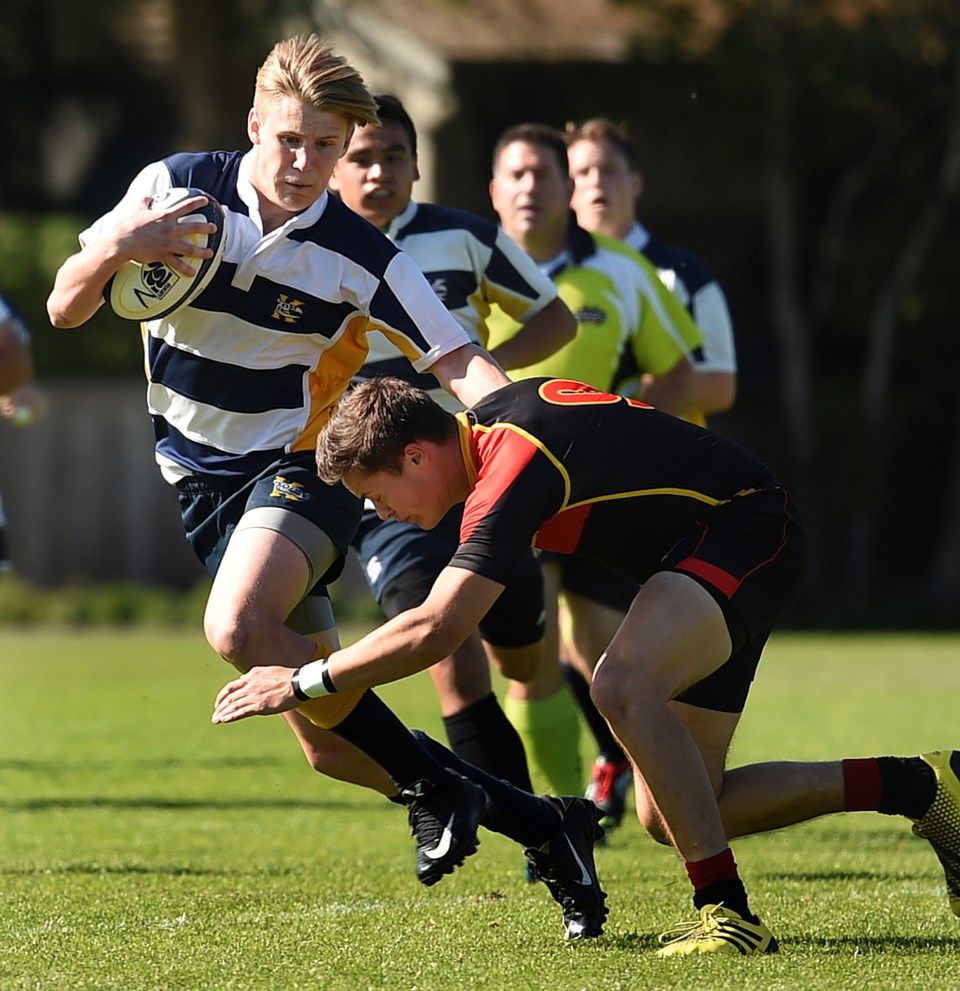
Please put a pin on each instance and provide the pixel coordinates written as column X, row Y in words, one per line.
column 716, row 543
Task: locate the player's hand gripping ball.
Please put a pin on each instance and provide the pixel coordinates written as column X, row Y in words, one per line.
column 149, row 290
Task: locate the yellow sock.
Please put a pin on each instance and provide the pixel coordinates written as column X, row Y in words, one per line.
column 550, row 731
column 329, row 710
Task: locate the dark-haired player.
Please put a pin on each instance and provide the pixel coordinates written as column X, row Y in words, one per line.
column 472, row 266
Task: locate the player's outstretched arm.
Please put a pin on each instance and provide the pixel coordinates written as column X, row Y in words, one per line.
column 410, row 642
column 542, row 335
column 469, row 373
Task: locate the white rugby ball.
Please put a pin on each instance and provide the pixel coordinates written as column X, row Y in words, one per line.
column 149, row 290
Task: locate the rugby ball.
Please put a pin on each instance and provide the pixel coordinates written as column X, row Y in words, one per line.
column 150, row 290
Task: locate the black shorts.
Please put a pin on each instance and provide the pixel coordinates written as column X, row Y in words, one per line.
column 211, row 507
column 750, row 555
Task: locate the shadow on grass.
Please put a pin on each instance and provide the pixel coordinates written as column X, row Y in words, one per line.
column 133, row 870
column 174, row 805
column 807, row 876
column 861, row 945
column 33, row 766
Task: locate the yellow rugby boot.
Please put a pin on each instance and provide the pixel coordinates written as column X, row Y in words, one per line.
column 718, row 930
column 940, row 824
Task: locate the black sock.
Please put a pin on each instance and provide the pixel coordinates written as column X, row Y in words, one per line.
column 518, row 815
column 607, row 745
column 907, row 785
column 731, row 894
column 374, row 728
column 483, row 736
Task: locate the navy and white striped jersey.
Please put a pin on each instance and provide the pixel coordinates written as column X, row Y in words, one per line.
column 251, row 369
column 685, row 275
column 470, row 263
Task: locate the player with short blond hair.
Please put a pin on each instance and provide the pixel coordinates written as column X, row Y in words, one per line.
column 240, row 382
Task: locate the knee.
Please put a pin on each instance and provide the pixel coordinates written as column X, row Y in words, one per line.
column 233, row 637
column 608, row 694
column 625, row 693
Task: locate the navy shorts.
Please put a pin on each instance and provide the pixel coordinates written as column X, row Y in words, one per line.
column 401, row 562
column 211, row 507
column 750, row 555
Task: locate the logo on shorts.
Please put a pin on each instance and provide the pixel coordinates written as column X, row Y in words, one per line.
column 286, row 309
column 282, row 489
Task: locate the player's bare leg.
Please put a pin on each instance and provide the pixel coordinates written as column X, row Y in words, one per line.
column 673, row 635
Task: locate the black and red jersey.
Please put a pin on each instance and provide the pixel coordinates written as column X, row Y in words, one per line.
column 564, row 467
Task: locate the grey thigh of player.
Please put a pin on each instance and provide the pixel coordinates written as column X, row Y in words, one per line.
column 314, row 613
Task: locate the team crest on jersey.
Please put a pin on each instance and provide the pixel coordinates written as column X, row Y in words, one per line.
column 288, row 310
column 282, row 489
column 374, row 568
column 439, row 286
column 591, row 314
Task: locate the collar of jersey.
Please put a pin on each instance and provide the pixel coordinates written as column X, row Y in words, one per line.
column 467, row 451
column 400, row 221
column 637, row 237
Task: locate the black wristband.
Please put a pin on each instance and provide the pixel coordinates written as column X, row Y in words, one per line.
column 297, row 690
column 325, row 677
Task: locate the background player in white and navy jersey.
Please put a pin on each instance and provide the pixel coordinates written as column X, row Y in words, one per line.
column 471, row 265
column 715, row 541
column 242, row 379
column 606, row 187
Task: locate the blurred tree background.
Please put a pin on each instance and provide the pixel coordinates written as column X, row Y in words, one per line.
column 808, row 149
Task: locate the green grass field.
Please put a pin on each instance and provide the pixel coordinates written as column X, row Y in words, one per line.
column 143, row 848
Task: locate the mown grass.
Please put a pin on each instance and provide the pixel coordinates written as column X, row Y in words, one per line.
column 143, row 848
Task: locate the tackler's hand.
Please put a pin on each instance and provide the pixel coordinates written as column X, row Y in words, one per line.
column 262, row 691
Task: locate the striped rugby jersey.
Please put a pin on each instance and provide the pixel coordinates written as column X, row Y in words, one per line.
column 470, row 264
column 685, row 275
column 251, row 369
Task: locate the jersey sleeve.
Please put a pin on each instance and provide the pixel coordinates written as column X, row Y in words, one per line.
column 154, row 178
column 519, row 487
column 513, row 280
column 712, row 315
column 409, row 314
column 11, row 317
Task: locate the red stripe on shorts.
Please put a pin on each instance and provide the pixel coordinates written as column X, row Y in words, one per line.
column 721, row 580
